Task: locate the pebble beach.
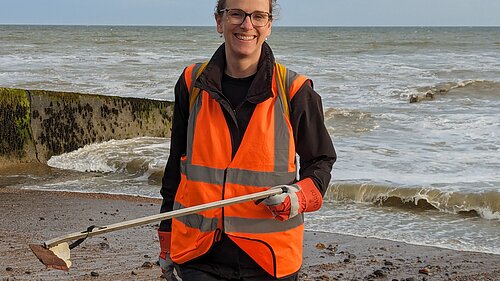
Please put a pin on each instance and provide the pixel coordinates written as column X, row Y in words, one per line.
column 32, row 217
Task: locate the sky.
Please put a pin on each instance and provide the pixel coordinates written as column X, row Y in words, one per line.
column 291, row 12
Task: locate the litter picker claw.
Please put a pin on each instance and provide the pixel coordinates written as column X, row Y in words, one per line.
column 55, row 253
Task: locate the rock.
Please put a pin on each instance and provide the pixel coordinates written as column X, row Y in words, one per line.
column 9, row 269
column 332, row 248
column 320, row 246
column 379, row 273
column 94, row 274
column 147, row 265
column 322, row 278
column 413, row 99
column 103, row 246
column 425, row 271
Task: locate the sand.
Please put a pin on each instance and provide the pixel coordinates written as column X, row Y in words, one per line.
column 30, row 216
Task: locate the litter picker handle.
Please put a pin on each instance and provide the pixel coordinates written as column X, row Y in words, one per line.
column 162, row 216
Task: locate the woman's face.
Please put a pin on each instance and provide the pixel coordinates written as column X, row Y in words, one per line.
column 244, row 41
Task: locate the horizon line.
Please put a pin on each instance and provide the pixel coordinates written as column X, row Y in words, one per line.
column 277, row 25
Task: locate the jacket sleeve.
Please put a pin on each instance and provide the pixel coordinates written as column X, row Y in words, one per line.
column 313, row 143
column 172, row 174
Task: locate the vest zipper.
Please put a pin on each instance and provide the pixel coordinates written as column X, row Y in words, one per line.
column 225, row 104
column 235, row 110
column 223, row 192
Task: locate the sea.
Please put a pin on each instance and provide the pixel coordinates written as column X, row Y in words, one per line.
column 414, row 114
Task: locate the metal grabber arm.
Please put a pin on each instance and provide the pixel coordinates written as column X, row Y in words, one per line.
column 55, row 253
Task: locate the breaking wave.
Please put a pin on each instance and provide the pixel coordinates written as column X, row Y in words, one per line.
column 474, row 88
column 140, row 158
column 484, row 204
column 348, row 122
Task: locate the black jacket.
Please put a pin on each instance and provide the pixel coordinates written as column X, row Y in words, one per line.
column 312, row 141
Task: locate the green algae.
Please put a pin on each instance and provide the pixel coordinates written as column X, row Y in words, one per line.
column 38, row 124
column 15, row 120
column 66, row 124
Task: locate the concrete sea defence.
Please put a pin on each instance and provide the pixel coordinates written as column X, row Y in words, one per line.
column 36, row 125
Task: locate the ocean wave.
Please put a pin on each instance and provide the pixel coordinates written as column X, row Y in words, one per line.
column 142, row 158
column 412, row 44
column 484, row 204
column 475, row 88
column 348, row 122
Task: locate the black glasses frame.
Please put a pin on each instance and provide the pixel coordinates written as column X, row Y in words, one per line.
column 269, row 16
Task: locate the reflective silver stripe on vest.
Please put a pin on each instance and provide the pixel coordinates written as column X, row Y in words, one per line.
column 202, row 173
column 197, row 221
column 236, row 176
column 193, row 115
column 290, row 77
column 281, row 135
column 262, row 179
column 196, row 68
column 246, row 225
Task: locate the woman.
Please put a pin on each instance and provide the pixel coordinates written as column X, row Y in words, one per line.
column 237, row 130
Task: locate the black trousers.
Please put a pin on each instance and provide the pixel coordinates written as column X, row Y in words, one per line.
column 226, row 262
column 193, row 274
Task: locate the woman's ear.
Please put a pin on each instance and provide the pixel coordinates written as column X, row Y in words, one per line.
column 218, row 20
column 269, row 26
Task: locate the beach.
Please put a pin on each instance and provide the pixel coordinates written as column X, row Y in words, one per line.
column 34, row 216
column 412, row 112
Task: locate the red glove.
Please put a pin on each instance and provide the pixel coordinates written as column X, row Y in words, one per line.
column 166, row 264
column 300, row 197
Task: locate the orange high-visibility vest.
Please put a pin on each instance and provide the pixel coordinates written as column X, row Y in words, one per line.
column 265, row 158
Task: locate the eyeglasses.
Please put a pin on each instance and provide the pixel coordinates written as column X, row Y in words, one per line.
column 238, row 16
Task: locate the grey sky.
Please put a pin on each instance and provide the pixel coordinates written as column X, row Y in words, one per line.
column 292, row 12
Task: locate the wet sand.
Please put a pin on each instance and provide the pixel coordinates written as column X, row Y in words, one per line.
column 35, row 216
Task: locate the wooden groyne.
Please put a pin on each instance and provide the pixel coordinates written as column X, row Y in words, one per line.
column 36, row 125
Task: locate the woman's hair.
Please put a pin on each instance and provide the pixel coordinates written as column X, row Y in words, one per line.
column 273, row 7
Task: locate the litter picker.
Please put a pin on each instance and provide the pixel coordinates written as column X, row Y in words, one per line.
column 55, row 253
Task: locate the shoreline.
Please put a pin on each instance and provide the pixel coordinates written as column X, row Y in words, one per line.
column 34, row 216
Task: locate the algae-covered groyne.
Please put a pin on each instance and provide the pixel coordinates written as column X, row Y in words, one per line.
column 35, row 124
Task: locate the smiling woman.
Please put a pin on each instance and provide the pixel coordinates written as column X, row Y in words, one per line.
column 240, row 119
column 243, row 38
